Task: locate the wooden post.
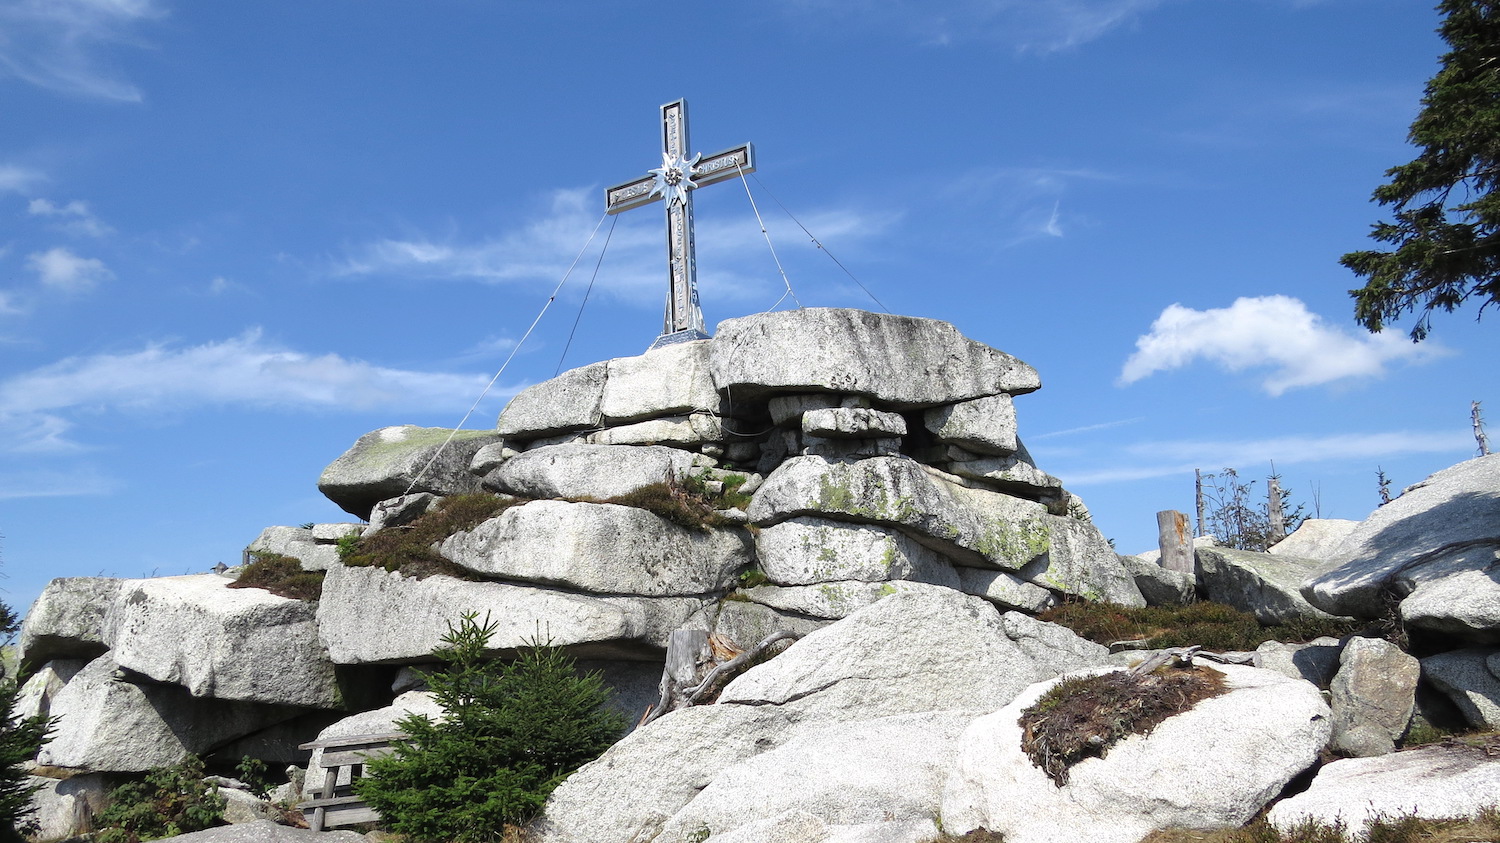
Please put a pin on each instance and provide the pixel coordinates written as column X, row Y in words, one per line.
column 1173, row 539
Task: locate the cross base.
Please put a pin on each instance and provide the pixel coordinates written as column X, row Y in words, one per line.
column 676, row 337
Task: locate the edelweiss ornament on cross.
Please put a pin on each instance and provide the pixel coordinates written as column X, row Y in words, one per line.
column 674, row 182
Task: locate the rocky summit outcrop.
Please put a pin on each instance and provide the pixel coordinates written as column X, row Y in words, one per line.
column 1447, row 527
column 856, row 481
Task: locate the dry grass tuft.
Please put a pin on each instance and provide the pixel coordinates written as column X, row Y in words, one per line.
column 1082, row 718
column 409, row 549
column 282, row 576
column 1212, row 626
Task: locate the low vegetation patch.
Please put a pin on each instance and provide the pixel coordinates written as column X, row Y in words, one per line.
column 1212, row 626
column 1404, row 828
column 168, row 801
column 978, row 835
column 677, row 502
column 282, row 576
column 409, row 549
column 1082, row 718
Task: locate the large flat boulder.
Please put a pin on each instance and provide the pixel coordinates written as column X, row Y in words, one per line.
column 921, row 650
column 371, row 616
column 887, row 770
column 1315, row 538
column 1458, row 595
column 228, row 643
column 581, row 470
column 1264, row 585
column 108, row 725
column 1449, row 780
column 1471, row 678
column 971, row 526
column 300, row 544
column 67, row 620
column 601, row 548
column 901, row 361
column 1417, row 537
column 808, row 550
column 393, row 461
column 569, row 402
column 636, row 786
column 671, row 380
column 829, row 600
column 1212, row 766
column 983, row 425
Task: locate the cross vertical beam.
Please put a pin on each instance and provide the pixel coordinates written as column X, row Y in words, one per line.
column 681, row 173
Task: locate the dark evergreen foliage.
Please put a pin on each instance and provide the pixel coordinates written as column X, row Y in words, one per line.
column 1446, row 233
column 20, row 740
column 511, row 732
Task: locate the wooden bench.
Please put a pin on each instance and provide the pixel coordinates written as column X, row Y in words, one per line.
column 337, row 805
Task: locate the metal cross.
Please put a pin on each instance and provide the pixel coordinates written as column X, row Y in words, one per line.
column 674, row 181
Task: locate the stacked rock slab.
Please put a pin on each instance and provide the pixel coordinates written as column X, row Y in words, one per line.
column 880, row 448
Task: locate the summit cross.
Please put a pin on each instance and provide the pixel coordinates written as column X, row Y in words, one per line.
column 674, row 182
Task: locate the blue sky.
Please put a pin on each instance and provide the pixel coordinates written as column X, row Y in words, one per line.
column 236, row 236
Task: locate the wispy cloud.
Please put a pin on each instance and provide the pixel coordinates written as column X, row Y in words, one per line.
column 541, row 252
column 62, row 270
column 57, row 44
column 1144, row 460
column 1038, row 26
column 1088, row 428
column 1275, row 332
column 1024, row 202
column 74, row 217
column 15, row 485
column 38, row 408
column 17, row 179
column 8, row 303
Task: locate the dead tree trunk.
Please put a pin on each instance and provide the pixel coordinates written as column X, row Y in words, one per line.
column 693, row 674
column 1276, row 528
column 1173, row 539
column 1478, row 421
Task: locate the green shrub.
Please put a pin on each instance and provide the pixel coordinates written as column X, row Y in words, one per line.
column 280, row 575
column 252, row 771
column 511, row 732
column 408, row 549
column 168, row 801
column 1213, row 626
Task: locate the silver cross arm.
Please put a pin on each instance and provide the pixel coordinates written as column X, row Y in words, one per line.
column 711, row 169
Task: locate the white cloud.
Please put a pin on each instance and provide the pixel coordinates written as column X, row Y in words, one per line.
column 633, row 269
column 245, row 371
column 1041, row 26
column 1278, row 332
column 74, row 217
column 55, row 44
column 1145, row 460
column 15, row 179
column 66, row 271
column 8, row 303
